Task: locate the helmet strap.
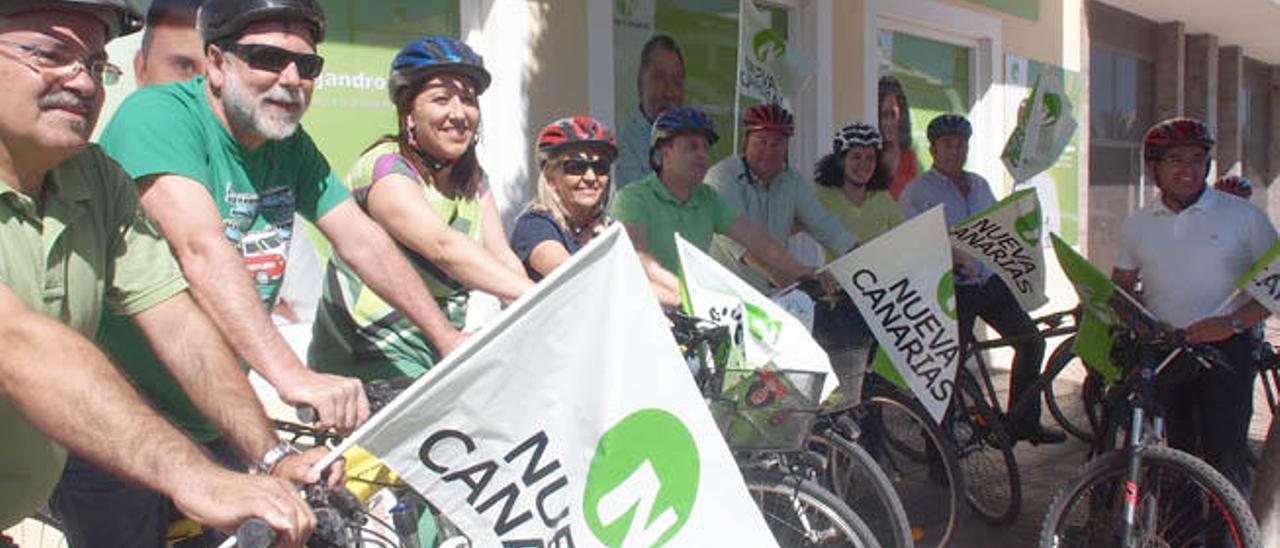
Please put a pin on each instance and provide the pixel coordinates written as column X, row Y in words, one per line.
column 431, row 162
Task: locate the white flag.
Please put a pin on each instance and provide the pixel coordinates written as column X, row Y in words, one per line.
column 1262, row 280
column 1006, row 237
column 1045, row 126
column 903, row 285
column 770, row 334
column 571, row 420
column 769, row 69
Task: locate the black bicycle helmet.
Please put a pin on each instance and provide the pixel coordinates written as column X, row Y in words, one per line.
column 432, row 54
column 948, row 124
column 221, row 20
column 118, row 16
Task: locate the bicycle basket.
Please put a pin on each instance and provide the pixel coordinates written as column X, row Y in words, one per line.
column 767, row 409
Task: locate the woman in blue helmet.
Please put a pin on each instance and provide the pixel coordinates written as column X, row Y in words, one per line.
column 425, row 186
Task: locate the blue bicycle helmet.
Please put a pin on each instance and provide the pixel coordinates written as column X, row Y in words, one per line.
column 677, row 120
column 948, row 124
column 432, row 54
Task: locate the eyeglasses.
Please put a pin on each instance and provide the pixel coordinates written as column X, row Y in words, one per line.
column 264, row 57
column 578, row 166
column 1192, row 160
column 64, row 65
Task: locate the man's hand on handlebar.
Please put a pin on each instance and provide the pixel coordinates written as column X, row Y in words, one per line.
column 224, row 499
column 297, row 468
column 340, row 401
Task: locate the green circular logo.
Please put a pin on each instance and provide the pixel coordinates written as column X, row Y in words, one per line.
column 947, row 294
column 768, row 45
column 643, row 480
column 1028, row 226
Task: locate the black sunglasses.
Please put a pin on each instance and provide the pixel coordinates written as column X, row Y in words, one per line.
column 578, row 166
column 264, row 57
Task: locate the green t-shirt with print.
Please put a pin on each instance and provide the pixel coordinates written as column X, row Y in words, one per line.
column 88, row 244
column 648, row 203
column 171, row 129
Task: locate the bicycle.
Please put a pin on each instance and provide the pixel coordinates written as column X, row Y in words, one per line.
column 766, row 415
column 883, row 451
column 1149, row 494
column 980, row 429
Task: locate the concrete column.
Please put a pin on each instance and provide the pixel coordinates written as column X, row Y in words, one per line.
column 1273, row 147
column 1230, row 127
column 1171, row 56
column 1201, row 83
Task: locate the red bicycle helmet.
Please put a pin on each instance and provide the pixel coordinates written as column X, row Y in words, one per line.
column 1235, row 184
column 769, row 117
column 575, row 130
column 1174, row 132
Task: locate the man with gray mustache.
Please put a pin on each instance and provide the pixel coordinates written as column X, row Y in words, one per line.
column 73, row 240
column 222, row 166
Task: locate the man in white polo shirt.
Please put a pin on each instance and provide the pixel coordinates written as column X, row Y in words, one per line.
column 1188, row 248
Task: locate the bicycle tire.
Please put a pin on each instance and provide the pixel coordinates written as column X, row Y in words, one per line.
column 40, row 530
column 853, row 475
column 984, row 449
column 1104, row 478
column 801, row 513
column 919, row 461
column 1073, row 397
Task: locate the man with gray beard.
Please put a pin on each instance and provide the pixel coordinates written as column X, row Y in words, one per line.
column 221, row 159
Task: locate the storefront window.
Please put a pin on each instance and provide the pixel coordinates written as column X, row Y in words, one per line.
column 707, row 34
column 935, row 75
column 1121, row 91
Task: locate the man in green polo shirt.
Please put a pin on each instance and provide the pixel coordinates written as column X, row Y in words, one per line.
column 673, row 200
column 73, row 239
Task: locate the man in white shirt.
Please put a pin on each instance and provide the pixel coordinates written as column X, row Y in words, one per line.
column 1188, row 248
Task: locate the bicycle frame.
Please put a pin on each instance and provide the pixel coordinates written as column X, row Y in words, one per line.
column 1053, row 328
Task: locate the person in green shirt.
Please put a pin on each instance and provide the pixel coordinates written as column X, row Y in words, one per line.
column 425, row 186
column 74, row 239
column 674, row 200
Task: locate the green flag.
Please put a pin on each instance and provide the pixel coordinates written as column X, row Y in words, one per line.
column 1096, row 291
column 1262, row 281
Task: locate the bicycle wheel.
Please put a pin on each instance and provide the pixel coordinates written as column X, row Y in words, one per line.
column 39, row 531
column 918, row 460
column 801, row 513
column 1074, row 397
column 1182, row 501
column 984, row 450
column 853, row 475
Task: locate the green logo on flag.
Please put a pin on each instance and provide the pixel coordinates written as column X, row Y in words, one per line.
column 947, row 294
column 1028, row 226
column 767, row 45
column 643, row 480
column 624, row 7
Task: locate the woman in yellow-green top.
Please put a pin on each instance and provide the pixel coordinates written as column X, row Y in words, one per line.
column 854, row 186
column 426, row 188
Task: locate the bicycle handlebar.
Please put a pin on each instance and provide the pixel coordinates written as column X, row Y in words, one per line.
column 379, row 392
column 336, row 511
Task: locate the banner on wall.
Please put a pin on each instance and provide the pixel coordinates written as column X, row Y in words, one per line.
column 908, row 300
column 569, row 422
column 769, row 69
